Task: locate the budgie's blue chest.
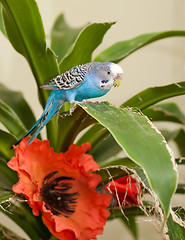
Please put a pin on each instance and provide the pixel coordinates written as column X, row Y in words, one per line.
column 88, row 89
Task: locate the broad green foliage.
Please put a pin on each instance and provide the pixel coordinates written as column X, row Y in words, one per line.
column 135, row 133
column 112, row 130
column 154, row 95
column 5, row 234
column 22, row 215
column 165, row 112
column 70, row 126
column 176, row 231
column 25, row 31
column 6, row 141
column 18, row 104
column 5, row 194
column 120, row 50
column 87, row 41
column 11, row 121
column 1, row 22
column 62, row 37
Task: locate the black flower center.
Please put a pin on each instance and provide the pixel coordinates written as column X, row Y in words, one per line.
column 55, row 193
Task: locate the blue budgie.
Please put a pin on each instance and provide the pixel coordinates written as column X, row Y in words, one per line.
column 90, row 80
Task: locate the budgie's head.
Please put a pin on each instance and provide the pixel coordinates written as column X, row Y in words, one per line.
column 108, row 74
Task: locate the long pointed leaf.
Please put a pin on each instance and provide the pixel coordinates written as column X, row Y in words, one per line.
column 5, row 194
column 120, row 50
column 2, row 29
column 103, row 144
column 131, row 224
column 93, row 135
column 165, row 112
column 143, row 144
column 153, row 95
column 11, row 121
column 175, row 231
column 19, row 105
column 180, row 141
column 25, row 31
column 28, row 37
column 6, row 234
column 88, row 40
column 23, row 216
column 70, row 126
column 178, row 136
column 6, row 141
column 8, row 176
column 106, row 148
column 62, row 37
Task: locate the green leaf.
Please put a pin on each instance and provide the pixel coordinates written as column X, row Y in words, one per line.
column 28, row 37
column 88, row 40
column 143, row 100
column 69, row 127
column 153, row 95
column 142, row 143
column 165, row 112
column 2, row 29
column 180, row 161
column 131, row 225
column 123, row 164
column 23, row 216
column 120, row 50
column 8, row 176
column 25, row 31
column 118, row 162
column 6, row 141
column 62, row 37
column 109, row 173
column 132, row 211
column 93, row 135
column 6, row 234
column 5, row 195
column 11, row 121
column 178, row 136
column 180, row 188
column 175, row 231
column 180, row 141
column 16, row 101
column 106, row 148
column 103, row 144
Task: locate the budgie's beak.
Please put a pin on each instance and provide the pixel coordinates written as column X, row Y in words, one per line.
column 117, row 79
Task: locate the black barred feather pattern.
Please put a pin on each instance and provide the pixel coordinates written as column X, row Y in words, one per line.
column 70, row 79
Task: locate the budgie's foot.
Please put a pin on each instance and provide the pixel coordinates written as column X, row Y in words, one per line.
column 75, row 105
column 73, row 108
column 85, row 101
column 64, row 114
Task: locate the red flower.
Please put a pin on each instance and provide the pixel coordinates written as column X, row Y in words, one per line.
column 61, row 186
column 126, row 190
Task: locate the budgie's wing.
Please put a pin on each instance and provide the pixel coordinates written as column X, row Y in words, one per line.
column 68, row 80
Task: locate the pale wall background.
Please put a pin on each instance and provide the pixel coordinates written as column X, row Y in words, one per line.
column 157, row 64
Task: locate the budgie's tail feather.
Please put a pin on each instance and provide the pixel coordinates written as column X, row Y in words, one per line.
column 25, row 135
column 52, row 107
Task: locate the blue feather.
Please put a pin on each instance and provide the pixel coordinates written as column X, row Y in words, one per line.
column 84, row 81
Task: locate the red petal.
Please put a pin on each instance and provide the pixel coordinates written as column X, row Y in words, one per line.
column 34, row 162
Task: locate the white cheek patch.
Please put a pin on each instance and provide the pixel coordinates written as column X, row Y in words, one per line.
column 115, row 69
column 107, row 85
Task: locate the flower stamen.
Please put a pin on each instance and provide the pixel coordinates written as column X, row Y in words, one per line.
column 56, row 196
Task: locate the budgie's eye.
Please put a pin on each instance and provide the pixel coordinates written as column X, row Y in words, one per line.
column 108, row 72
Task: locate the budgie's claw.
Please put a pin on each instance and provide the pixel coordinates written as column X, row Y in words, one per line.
column 85, row 101
column 73, row 108
column 64, row 114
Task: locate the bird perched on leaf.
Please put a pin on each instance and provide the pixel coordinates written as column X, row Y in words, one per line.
column 90, row 80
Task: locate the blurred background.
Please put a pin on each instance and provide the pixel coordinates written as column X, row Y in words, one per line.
column 158, row 64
